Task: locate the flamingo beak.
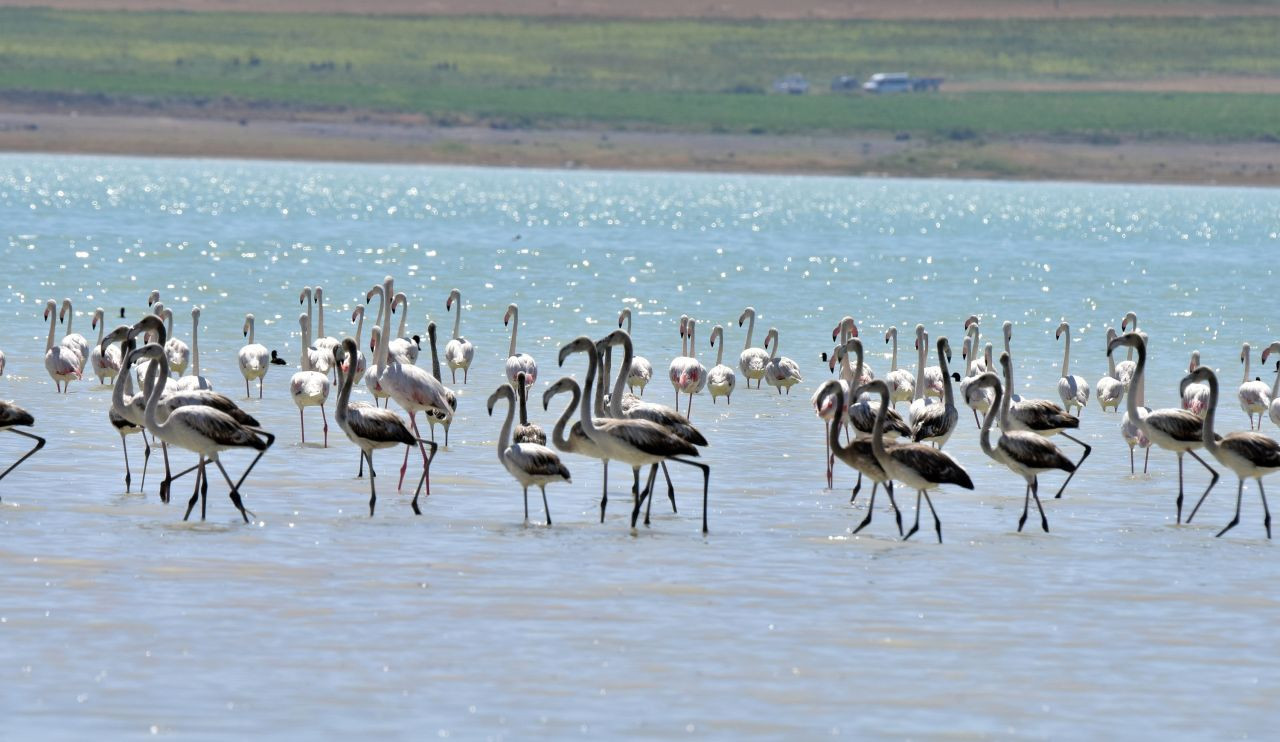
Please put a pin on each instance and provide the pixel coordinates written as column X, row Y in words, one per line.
column 1265, row 352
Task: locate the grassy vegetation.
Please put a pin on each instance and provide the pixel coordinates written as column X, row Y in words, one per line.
column 663, row 74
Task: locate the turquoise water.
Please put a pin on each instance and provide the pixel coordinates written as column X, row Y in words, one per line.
column 117, row 617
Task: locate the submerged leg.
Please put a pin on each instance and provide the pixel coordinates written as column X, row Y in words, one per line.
column 373, row 492
column 128, row 475
column 546, row 510
column 871, row 507
column 1035, row 492
column 1266, row 517
column 937, row 524
column 1212, row 482
column 706, row 485
column 604, row 491
column 916, row 526
column 235, row 492
column 1087, row 450
column 39, row 445
column 1236, row 518
column 526, row 504
column 425, row 480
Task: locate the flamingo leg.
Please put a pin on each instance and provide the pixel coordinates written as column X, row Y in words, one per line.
column 425, row 480
column 545, row 509
column 604, row 491
column 413, row 423
column 1146, row 460
column 671, row 488
column 916, row 526
column 1132, row 468
column 871, row 506
column 1035, row 492
column 202, row 481
column 246, row 387
column 1206, row 489
column 1026, row 503
column 826, row 437
column 635, row 492
column 647, row 496
column 1179, row 502
column 325, row 418
column 271, row 439
column 260, row 378
column 146, row 459
column 1087, row 450
column 706, row 485
column 688, row 410
column 373, row 492
column 897, row 512
column 937, row 524
column 39, row 445
column 128, row 474
column 302, row 421
column 526, row 505
column 235, row 491
column 1236, row 519
column 857, row 487
column 1266, row 518
column 195, row 494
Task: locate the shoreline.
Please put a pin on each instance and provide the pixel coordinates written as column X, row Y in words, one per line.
column 409, row 139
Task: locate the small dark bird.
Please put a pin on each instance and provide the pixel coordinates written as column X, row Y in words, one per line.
column 277, row 360
column 121, row 312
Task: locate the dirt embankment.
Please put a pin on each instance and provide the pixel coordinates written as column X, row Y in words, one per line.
column 723, row 9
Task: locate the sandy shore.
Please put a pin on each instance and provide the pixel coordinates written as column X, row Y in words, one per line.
column 407, row 139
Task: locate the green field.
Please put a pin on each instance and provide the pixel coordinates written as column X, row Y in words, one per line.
column 698, row 76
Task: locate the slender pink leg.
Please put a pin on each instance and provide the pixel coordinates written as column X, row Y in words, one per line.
column 302, row 421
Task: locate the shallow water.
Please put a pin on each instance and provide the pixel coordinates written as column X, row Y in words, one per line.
column 117, row 617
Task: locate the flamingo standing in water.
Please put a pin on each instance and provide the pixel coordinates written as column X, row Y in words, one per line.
column 678, row 363
column 458, row 352
column 1072, row 390
column 13, row 417
column 253, row 358
column 526, row 432
column 1174, row 430
column 902, row 383
column 576, row 441
column 61, row 361
column 369, row 427
column 518, row 363
column 751, row 361
column 402, row 349
column 1195, row 396
column 846, row 329
column 977, row 397
column 127, row 413
column 104, row 360
column 1131, row 431
column 641, row 371
column 859, row 456
column 356, row 362
column 73, row 340
column 1110, row 390
column 1042, row 417
column 531, row 464
column 720, row 379
column 936, row 422
column 1255, row 396
column 690, row 374
column 1250, row 455
column 781, row 372
column 920, row 401
column 1026, row 454
column 308, row 387
column 195, row 380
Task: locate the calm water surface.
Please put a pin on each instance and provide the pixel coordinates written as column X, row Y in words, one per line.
column 118, row 618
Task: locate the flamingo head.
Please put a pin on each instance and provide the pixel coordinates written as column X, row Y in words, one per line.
column 748, row 312
column 506, row 318
column 1128, row 340
column 153, row 297
column 973, row 320
column 579, row 344
column 1265, row 352
column 1129, row 318
column 306, row 294
column 503, row 392
column 448, row 303
column 1062, row 328
column 890, row 334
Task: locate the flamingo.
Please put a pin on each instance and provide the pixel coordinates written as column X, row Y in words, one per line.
column 371, row 428
column 979, row 398
column 1110, row 390
column 204, row 431
column 370, row 379
column 641, row 370
column 450, row 398
column 751, row 361
column 1174, row 430
column 402, row 349
column 253, row 359
column 636, row 442
column 1130, row 430
column 720, row 379
column 936, row 422
column 1250, row 455
column 919, row 401
column 526, row 432
column 678, row 363
column 1042, row 417
column 916, row 465
column 518, row 362
column 1126, row 368
column 781, row 372
column 105, row 361
column 859, row 456
column 1026, row 454
column 195, row 381
column 846, row 329
column 690, row 375
column 308, row 387
column 175, row 350
column 411, row 387
column 73, row 340
column 859, row 412
column 313, row 358
column 577, row 441
column 901, row 381
column 825, row 407
column 61, row 361
column 982, row 365
column 1273, row 411
column 1072, row 390
column 127, row 413
column 530, row 463
column 11, row 418
column 1255, row 396
column 458, row 352
column 323, row 342
column 357, row 369
column 1195, row 396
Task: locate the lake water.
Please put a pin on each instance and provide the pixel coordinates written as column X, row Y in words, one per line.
column 118, row 619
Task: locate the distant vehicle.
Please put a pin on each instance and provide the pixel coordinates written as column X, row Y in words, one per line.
column 844, row 83
column 791, row 85
column 900, row 82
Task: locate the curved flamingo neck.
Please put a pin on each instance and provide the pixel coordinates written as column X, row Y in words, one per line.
column 306, row 295
column 157, row 369
column 53, row 325
column 1111, row 360
column 359, row 326
column 1066, row 352
column 100, row 320
column 384, row 311
column 615, row 401
column 1000, row 407
column 1138, row 379
column 877, row 429
column 195, row 345
column 584, row 408
column 435, row 366
column 345, row 382
column 948, row 394
column 66, row 308
column 1247, row 353
column 457, row 317
column 693, row 351
column 514, row 313
column 402, row 301
column 1210, row 442
column 751, row 328
column 557, row 433
column 505, row 435
column 833, row 430
column 718, row 333
column 922, row 346
column 893, row 359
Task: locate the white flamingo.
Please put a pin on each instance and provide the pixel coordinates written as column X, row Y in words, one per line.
column 641, row 371
column 1249, row 455
column 1110, row 390
column 1273, row 411
column 61, row 361
column 677, row 364
column 412, row 388
column 176, row 352
column 931, row 377
column 308, row 387
column 978, row 397
column 846, row 329
column 720, row 379
column 1072, row 390
column 371, row 380
column 458, row 352
column 1126, row 368
column 531, row 464
column 1131, row 431
column 403, row 349
column 902, row 383
column 918, row 400
column 370, row 428
column 781, row 372
column 973, row 332
column 359, row 367
column 105, row 361
column 204, row 431
column 73, row 340
column 1195, row 396
column 1174, row 430
column 751, row 361
column 691, row 375
column 253, row 358
column 313, row 358
column 518, row 363
column 1255, row 396
column 324, row 343
column 195, row 381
